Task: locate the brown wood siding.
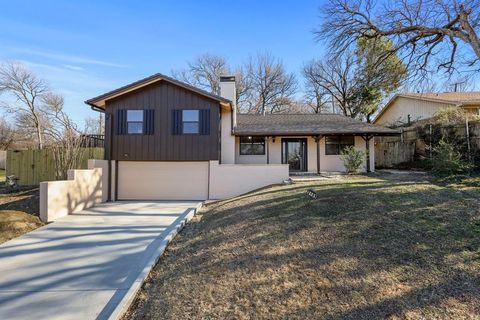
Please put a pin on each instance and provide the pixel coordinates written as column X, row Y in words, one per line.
column 163, row 97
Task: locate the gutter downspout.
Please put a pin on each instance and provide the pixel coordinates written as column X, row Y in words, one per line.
column 97, row 109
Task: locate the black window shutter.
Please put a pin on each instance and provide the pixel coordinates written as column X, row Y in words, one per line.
column 205, row 122
column 149, row 122
column 121, row 125
column 176, row 121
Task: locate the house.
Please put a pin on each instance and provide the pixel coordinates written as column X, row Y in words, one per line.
column 410, row 107
column 165, row 139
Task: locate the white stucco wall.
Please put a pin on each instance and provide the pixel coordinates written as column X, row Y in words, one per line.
column 82, row 190
column 328, row 163
column 113, row 180
column 102, row 164
column 163, row 180
column 228, row 121
column 401, row 107
column 230, row 180
column 227, row 144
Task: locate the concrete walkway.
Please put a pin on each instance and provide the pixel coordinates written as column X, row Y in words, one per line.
column 87, row 265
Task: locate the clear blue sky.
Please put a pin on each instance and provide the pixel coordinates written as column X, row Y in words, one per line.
column 84, row 48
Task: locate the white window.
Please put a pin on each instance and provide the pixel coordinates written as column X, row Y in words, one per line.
column 135, row 121
column 190, row 121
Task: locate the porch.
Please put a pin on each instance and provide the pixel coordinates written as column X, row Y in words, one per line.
column 304, row 154
column 306, row 142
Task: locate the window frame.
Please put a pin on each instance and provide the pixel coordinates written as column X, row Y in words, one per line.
column 189, row 121
column 252, row 143
column 142, row 122
column 340, row 145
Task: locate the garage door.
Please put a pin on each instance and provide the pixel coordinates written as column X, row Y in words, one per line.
column 162, row 180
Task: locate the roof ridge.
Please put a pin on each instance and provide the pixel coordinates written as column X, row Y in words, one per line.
column 153, row 77
column 454, row 92
column 286, row 114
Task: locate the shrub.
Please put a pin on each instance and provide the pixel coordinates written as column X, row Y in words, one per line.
column 452, row 115
column 352, row 158
column 447, row 160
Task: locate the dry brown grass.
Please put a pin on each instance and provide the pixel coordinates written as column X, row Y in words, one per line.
column 16, row 223
column 18, row 211
column 397, row 247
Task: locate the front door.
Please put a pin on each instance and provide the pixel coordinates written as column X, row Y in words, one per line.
column 294, row 152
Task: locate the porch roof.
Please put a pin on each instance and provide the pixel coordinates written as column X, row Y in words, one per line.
column 306, row 124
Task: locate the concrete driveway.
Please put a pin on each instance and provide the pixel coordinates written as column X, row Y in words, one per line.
column 87, row 265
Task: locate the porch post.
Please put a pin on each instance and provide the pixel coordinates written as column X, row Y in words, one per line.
column 367, row 152
column 317, row 141
column 267, row 148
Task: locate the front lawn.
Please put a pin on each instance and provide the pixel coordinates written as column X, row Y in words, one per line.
column 386, row 246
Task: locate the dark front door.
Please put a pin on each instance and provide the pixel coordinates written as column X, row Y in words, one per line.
column 294, row 152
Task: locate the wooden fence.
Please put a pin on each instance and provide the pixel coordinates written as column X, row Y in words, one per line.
column 3, row 159
column 416, row 142
column 392, row 152
column 34, row 166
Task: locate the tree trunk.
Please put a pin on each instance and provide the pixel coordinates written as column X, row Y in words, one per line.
column 39, row 137
column 472, row 37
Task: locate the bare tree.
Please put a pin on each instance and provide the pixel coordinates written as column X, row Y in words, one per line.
column 37, row 107
column 243, row 88
column 316, row 97
column 27, row 91
column 95, row 125
column 459, row 84
column 204, row 72
column 336, row 77
column 7, row 135
column 448, row 84
column 272, row 87
column 441, row 32
column 64, row 134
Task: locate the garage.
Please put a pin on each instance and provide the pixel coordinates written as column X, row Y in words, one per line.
column 159, row 180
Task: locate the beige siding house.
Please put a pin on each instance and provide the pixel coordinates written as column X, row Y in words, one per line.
column 167, row 140
column 410, row 107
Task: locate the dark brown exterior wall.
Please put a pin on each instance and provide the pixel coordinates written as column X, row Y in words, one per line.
column 163, row 97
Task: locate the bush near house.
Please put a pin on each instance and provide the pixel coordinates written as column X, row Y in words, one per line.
column 353, row 159
column 447, row 161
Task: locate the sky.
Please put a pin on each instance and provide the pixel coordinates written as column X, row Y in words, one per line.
column 86, row 48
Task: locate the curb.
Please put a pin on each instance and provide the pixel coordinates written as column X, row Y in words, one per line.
column 131, row 293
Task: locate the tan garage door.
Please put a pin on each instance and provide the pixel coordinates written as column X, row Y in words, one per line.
column 162, row 180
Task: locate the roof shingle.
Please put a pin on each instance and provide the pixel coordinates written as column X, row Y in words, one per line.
column 305, row 124
column 456, row 97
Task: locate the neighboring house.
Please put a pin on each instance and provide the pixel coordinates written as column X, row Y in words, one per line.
column 406, row 108
column 169, row 140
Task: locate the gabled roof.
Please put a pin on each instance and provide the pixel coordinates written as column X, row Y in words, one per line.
column 449, row 97
column 459, row 99
column 306, row 124
column 99, row 102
